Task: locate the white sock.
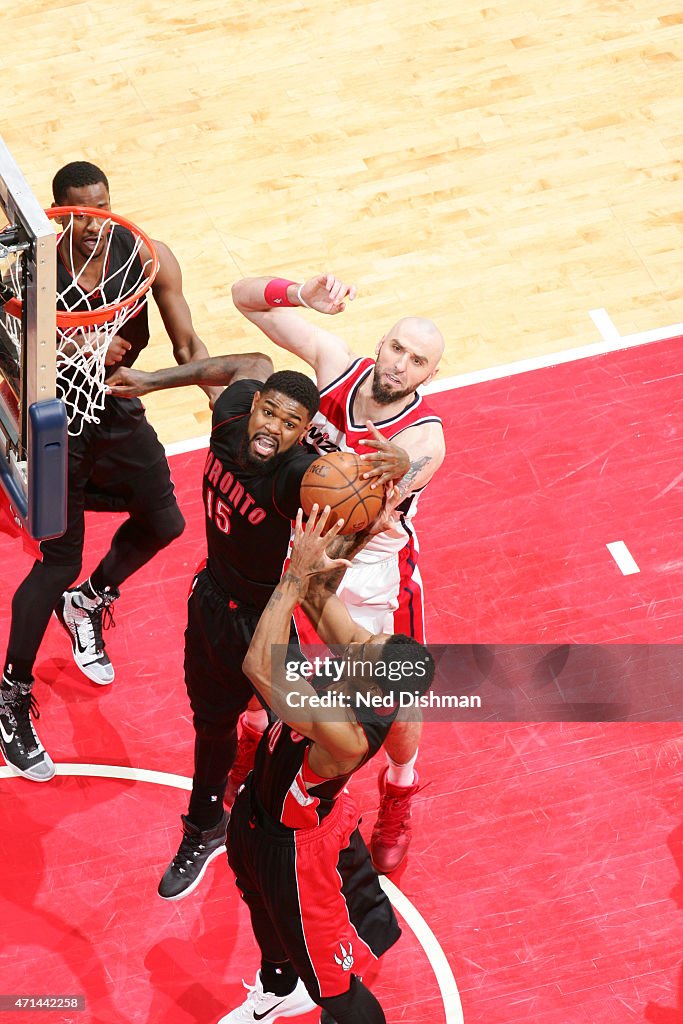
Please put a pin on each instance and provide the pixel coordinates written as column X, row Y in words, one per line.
column 257, row 720
column 83, row 599
column 401, row 774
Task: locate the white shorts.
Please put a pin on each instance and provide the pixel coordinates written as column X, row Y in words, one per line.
column 370, row 592
column 383, row 597
column 386, row 596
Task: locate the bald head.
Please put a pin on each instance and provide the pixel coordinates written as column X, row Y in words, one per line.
column 424, row 336
column 407, row 357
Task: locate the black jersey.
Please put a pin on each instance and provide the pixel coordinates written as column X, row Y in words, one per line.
column 248, row 508
column 287, row 788
column 120, row 274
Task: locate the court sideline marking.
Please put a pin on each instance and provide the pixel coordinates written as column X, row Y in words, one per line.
column 612, row 342
column 412, row 916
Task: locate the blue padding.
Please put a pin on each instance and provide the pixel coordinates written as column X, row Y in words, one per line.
column 47, row 469
column 16, row 495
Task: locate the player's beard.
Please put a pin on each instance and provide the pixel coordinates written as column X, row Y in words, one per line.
column 384, row 395
column 247, row 457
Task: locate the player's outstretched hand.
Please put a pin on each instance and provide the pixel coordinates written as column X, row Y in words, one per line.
column 389, row 463
column 309, row 553
column 127, row 383
column 327, row 293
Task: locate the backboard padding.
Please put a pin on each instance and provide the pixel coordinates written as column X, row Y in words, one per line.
column 33, row 442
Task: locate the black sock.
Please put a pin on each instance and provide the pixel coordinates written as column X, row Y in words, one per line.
column 18, row 671
column 205, row 809
column 280, row 979
column 95, row 584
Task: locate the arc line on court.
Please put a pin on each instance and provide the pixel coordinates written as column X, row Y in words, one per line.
column 433, row 951
column 408, row 911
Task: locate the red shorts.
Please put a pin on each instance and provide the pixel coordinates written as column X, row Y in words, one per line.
column 317, row 888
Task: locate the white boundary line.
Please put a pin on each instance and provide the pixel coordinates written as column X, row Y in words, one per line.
column 423, row 933
column 181, row 447
column 603, row 322
column 612, row 342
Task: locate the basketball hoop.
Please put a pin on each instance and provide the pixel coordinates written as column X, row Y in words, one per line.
column 91, row 310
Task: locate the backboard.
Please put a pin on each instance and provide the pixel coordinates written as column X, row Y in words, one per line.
column 33, row 422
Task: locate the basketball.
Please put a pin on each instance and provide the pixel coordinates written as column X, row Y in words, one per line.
column 336, row 480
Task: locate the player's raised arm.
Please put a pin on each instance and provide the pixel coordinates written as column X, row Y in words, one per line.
column 265, row 663
column 264, row 301
column 216, row 371
column 308, row 558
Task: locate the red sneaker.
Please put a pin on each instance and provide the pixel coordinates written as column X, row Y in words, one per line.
column 392, row 832
column 247, row 743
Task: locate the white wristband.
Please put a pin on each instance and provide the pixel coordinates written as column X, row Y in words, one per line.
column 302, row 301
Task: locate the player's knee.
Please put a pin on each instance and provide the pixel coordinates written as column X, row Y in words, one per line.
column 56, row 576
column 217, row 726
column 166, row 524
column 43, row 586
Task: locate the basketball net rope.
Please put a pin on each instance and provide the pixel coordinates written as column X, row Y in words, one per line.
column 82, row 349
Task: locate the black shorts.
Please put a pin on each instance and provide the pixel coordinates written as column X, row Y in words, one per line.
column 118, row 464
column 317, row 887
column 217, row 638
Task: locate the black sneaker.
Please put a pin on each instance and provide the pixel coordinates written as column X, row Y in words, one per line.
column 83, row 617
column 19, row 742
column 196, row 851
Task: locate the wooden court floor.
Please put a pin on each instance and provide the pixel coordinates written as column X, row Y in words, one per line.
column 502, row 168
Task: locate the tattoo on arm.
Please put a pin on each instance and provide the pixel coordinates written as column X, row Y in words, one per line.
column 299, row 583
column 341, row 547
column 277, row 597
column 405, row 485
column 325, row 584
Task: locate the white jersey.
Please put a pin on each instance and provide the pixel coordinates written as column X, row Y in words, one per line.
column 333, row 429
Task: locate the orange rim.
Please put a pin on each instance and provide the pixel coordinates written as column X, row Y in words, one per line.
column 93, row 317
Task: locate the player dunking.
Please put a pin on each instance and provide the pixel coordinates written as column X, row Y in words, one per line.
column 251, row 487
column 383, row 590
column 117, row 463
column 319, row 915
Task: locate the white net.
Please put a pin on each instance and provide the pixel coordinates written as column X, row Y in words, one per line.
column 104, row 270
column 10, row 328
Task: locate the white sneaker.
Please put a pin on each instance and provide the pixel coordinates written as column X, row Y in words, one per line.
column 19, row 743
column 83, row 618
column 265, row 1006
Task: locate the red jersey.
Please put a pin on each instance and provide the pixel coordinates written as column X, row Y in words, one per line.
column 288, row 789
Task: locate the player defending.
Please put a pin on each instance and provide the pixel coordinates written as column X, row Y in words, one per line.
column 116, row 464
column 383, row 589
column 319, row 915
